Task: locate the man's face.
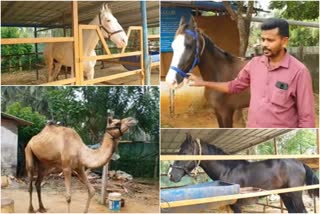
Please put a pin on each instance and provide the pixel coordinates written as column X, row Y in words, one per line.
column 272, row 42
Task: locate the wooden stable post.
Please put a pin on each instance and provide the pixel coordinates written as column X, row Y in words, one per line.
column 75, row 33
column 105, row 168
column 36, row 52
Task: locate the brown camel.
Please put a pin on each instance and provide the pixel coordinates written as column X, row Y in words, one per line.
column 61, row 148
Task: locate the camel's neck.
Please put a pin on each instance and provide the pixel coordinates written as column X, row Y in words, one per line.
column 93, row 158
column 90, row 38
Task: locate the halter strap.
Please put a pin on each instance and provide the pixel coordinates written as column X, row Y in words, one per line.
column 196, row 59
column 184, row 168
column 106, row 30
column 115, row 127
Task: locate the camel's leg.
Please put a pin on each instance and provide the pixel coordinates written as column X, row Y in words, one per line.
column 83, row 178
column 41, row 174
column 67, row 181
column 30, row 170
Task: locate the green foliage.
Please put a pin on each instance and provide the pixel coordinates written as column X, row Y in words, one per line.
column 303, row 11
column 297, row 10
column 302, row 36
column 14, row 32
column 295, row 142
column 27, row 132
column 85, row 108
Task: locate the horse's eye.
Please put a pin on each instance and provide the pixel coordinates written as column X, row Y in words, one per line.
column 108, row 20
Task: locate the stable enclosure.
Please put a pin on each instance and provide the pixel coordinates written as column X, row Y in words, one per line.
column 238, row 145
column 67, row 22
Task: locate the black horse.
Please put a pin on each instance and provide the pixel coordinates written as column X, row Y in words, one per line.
column 191, row 47
column 267, row 174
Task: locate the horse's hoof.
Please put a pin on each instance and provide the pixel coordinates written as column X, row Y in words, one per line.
column 42, row 210
column 31, row 210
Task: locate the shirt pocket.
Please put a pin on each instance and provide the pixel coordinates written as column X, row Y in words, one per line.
column 279, row 97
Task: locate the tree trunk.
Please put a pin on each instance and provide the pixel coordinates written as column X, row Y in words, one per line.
column 243, row 23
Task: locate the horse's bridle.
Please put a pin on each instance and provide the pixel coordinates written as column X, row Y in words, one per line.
column 106, row 30
column 196, row 60
column 197, row 164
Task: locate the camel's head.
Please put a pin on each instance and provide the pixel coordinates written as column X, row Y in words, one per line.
column 118, row 127
column 111, row 28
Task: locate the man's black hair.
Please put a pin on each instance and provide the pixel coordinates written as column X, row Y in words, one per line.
column 273, row 23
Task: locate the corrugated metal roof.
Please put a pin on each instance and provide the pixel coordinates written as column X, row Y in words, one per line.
column 230, row 140
column 19, row 121
column 51, row 13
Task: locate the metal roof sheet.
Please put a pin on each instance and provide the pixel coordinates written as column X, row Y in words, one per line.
column 230, row 140
column 51, row 13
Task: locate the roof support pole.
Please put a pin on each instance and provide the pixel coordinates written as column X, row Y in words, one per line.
column 146, row 67
column 36, row 52
column 75, row 34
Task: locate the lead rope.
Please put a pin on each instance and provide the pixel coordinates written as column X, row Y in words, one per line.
column 200, row 153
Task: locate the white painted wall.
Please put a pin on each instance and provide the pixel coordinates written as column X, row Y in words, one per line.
column 9, row 147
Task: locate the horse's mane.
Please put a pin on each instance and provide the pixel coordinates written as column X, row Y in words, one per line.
column 212, row 149
column 211, row 46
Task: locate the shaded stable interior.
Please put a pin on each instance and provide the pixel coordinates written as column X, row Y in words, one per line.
column 232, row 141
column 46, row 15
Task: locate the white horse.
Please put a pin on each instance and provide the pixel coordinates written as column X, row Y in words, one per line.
column 61, row 53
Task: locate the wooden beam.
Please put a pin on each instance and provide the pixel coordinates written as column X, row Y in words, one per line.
column 111, row 77
column 233, row 157
column 76, row 52
column 236, row 196
column 112, row 56
column 61, row 82
column 12, row 41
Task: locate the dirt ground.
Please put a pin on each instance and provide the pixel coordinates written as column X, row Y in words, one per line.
column 142, row 196
column 30, row 77
column 205, row 118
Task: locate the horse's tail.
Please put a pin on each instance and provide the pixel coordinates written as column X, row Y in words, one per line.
column 311, row 179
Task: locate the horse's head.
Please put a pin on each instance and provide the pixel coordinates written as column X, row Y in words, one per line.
column 180, row 168
column 111, row 28
column 186, row 52
column 118, row 127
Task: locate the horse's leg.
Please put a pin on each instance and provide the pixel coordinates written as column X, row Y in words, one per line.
column 49, row 62
column 236, row 208
column 225, row 117
column 41, row 174
column 219, row 118
column 287, row 202
column 67, row 181
column 84, row 179
column 297, row 201
column 57, row 68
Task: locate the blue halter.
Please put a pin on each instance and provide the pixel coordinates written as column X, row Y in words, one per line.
column 196, row 60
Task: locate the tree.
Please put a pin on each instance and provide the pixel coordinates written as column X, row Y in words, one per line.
column 303, row 11
column 297, row 10
column 243, row 22
column 18, row 49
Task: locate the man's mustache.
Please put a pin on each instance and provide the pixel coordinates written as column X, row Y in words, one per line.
column 266, row 49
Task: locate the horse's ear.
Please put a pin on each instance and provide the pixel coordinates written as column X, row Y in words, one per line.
column 105, row 7
column 192, row 23
column 182, row 21
column 188, row 137
column 109, row 120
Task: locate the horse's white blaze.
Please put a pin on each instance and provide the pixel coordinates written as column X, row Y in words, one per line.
column 178, row 50
column 169, row 172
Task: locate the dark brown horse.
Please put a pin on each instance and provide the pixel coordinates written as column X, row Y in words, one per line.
column 191, row 47
column 267, row 174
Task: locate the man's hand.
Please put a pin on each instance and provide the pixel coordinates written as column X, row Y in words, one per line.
column 195, row 81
